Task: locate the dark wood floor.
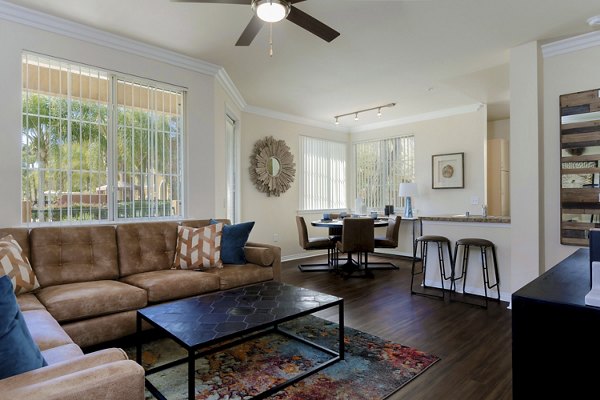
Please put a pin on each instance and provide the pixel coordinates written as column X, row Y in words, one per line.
column 474, row 344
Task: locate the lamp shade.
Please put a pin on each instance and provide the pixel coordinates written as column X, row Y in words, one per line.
column 408, row 189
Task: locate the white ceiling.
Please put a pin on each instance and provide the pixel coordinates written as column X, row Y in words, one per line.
column 424, row 55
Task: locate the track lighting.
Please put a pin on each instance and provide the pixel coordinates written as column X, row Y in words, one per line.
column 355, row 113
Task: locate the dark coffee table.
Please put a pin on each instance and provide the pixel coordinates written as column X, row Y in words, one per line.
column 235, row 316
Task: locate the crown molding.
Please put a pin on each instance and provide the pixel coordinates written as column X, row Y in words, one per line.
column 61, row 26
column 571, row 44
column 294, row 118
column 225, row 81
column 448, row 112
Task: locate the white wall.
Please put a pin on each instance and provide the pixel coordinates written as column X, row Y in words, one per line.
column 499, row 129
column 200, row 198
column 526, row 164
column 455, row 134
column 276, row 215
column 563, row 74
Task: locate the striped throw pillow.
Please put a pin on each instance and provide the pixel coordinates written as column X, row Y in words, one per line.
column 15, row 265
column 198, row 247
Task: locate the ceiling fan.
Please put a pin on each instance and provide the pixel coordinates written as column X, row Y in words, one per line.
column 273, row 11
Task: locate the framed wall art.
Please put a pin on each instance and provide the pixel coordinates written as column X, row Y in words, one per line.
column 448, row 171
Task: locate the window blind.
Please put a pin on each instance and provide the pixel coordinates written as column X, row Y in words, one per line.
column 322, row 174
column 380, row 167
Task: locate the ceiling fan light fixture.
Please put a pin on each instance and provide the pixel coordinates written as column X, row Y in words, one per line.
column 271, row 10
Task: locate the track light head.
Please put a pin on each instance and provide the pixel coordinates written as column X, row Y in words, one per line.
column 355, row 113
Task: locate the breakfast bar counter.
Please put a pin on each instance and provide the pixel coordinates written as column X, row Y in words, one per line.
column 493, row 228
column 468, row 218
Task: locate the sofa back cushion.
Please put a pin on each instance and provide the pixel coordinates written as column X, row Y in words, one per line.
column 74, row 254
column 21, row 235
column 145, row 247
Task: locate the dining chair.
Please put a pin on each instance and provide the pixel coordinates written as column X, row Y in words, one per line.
column 335, row 233
column 389, row 241
column 314, row 243
column 357, row 237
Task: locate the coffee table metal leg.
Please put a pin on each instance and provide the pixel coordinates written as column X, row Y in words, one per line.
column 191, row 375
column 138, row 346
column 341, row 330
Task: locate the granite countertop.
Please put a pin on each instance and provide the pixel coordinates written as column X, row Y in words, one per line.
column 470, row 218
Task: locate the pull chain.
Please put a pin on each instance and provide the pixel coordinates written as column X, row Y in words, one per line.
column 271, row 40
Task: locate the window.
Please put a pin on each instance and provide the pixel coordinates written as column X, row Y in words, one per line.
column 97, row 146
column 380, row 168
column 322, row 174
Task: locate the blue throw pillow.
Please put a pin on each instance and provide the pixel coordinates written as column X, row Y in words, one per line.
column 233, row 241
column 18, row 351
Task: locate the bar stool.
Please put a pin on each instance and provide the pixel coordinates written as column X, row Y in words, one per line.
column 424, row 242
column 483, row 245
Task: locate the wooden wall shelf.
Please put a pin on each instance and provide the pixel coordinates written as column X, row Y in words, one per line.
column 580, row 166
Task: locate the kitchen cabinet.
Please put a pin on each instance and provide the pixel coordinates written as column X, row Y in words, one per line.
column 498, row 182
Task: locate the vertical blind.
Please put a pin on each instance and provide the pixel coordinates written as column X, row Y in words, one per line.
column 96, row 147
column 322, row 174
column 380, row 168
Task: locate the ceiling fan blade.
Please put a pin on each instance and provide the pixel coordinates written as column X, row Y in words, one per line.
column 214, row 1
column 312, row 25
column 250, row 32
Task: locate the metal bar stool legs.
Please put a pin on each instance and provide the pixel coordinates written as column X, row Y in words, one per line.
column 487, row 284
column 424, row 241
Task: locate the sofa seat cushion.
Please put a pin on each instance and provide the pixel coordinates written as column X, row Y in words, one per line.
column 234, row 275
column 74, row 301
column 28, row 302
column 44, row 329
column 173, row 283
column 62, row 353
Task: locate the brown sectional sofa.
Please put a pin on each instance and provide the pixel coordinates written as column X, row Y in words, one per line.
column 93, row 279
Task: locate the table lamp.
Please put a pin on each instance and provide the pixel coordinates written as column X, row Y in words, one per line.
column 407, row 189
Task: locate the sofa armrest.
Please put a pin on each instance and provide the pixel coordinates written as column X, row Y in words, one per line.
column 254, row 256
column 106, row 374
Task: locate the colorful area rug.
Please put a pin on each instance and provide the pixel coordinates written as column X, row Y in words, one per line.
column 373, row 368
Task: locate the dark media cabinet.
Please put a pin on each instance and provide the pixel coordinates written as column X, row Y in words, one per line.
column 556, row 337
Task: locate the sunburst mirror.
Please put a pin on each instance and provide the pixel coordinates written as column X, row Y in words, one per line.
column 272, row 166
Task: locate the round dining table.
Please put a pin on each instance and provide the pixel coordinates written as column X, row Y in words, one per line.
column 339, row 223
column 335, row 228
